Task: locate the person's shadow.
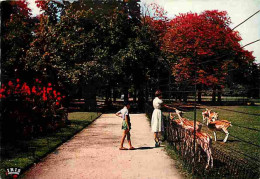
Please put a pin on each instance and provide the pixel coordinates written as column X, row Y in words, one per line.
column 144, row 148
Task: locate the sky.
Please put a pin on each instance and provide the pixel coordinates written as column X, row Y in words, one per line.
column 238, row 11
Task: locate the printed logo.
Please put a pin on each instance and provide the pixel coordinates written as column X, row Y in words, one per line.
column 13, row 172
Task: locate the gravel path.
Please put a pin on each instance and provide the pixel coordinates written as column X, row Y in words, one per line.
column 94, row 154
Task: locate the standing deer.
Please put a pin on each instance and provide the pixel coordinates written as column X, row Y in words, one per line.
column 208, row 114
column 205, row 142
column 216, row 125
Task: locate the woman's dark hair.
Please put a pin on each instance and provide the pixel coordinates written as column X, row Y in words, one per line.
column 126, row 103
column 158, row 93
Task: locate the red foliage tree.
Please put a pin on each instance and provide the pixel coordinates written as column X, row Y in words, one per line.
column 155, row 17
column 206, row 44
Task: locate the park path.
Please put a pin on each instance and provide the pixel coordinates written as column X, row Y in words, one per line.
column 94, row 154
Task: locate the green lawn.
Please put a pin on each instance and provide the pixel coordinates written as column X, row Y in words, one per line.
column 27, row 152
column 244, row 116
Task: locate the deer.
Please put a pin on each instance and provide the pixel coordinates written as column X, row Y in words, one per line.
column 185, row 134
column 178, row 123
column 208, row 114
column 187, row 124
column 203, row 140
column 216, row 125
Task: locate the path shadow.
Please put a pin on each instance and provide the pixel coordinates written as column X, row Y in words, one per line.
column 228, row 141
column 144, row 148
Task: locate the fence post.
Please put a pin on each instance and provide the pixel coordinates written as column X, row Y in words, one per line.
column 195, row 115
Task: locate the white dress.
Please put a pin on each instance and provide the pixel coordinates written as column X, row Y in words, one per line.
column 157, row 123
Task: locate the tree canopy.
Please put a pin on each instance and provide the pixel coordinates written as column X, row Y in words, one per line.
column 79, row 43
column 204, row 43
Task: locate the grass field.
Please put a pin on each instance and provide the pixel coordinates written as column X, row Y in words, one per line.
column 242, row 118
column 26, row 152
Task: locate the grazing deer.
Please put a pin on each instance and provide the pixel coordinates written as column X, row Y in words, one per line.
column 217, row 125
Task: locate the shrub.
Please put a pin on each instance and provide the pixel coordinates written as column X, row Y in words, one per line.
column 29, row 111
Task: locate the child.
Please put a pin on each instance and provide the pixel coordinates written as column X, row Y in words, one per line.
column 126, row 126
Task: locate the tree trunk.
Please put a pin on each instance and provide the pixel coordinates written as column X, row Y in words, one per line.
column 134, row 95
column 126, row 94
column 185, row 97
column 114, row 95
column 219, row 96
column 108, row 94
column 146, row 93
column 141, row 100
column 214, row 96
column 199, row 96
column 89, row 94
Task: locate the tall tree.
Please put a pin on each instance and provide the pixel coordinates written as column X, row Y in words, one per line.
column 204, row 43
column 17, row 25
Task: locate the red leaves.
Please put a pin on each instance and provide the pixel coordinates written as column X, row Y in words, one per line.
column 43, row 5
column 34, row 90
column 21, row 7
column 10, row 84
column 49, row 89
column 202, row 37
column 24, row 91
column 156, row 19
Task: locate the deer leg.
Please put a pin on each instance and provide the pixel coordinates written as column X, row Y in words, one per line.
column 207, row 120
column 208, row 159
column 211, row 158
column 210, row 153
column 226, row 132
column 215, row 135
column 199, row 150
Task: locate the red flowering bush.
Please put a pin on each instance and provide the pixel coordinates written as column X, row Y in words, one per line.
column 31, row 109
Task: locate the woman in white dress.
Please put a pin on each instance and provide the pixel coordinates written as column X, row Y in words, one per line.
column 157, row 119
